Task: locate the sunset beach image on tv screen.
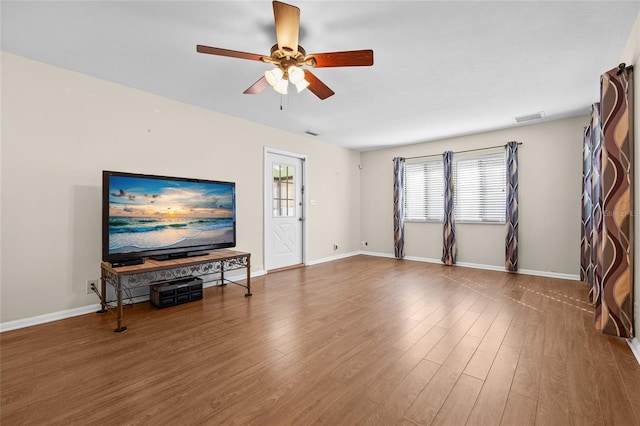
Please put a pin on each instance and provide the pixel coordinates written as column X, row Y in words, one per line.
column 149, row 214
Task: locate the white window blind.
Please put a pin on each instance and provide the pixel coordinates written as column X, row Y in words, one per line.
column 424, row 191
column 479, row 189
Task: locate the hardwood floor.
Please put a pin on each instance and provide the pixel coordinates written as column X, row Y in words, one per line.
column 363, row 340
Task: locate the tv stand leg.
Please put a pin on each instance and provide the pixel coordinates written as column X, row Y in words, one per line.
column 222, row 283
column 103, row 291
column 248, row 277
column 120, row 328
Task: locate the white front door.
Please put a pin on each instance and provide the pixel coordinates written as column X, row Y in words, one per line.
column 284, row 210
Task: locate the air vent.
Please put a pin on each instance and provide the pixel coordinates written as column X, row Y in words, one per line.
column 309, row 132
column 536, row 116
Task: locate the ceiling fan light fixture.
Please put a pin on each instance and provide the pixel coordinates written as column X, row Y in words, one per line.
column 281, row 86
column 296, row 75
column 274, row 77
column 301, row 85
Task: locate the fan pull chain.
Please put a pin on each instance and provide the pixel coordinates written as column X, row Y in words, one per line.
column 288, row 102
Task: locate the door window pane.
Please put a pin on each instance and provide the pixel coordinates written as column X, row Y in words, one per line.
column 283, row 191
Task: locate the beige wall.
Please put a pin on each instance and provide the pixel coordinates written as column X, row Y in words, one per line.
column 631, row 56
column 550, row 175
column 60, row 129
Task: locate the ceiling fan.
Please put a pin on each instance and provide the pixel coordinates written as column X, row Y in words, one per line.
column 289, row 57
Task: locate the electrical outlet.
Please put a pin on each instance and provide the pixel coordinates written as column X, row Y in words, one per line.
column 91, row 284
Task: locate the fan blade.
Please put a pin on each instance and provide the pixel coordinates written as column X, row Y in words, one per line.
column 287, row 20
column 317, row 87
column 352, row 58
column 257, row 87
column 226, row 52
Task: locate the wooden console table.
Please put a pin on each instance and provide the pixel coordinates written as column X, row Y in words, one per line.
column 154, row 272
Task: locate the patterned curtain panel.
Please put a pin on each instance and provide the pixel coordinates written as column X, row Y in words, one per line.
column 449, row 229
column 587, row 209
column 595, row 240
column 616, row 314
column 511, row 243
column 398, row 206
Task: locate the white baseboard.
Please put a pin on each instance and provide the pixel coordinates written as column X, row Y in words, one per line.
column 562, row 276
column 68, row 313
column 423, row 259
column 481, row 266
column 54, row 316
column 332, row 258
column 634, row 344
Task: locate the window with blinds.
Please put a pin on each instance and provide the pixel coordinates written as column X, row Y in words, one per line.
column 479, row 189
column 424, row 191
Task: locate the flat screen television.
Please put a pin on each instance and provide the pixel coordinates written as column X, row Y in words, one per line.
column 164, row 217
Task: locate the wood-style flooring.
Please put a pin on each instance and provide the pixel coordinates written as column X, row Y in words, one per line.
column 363, row 340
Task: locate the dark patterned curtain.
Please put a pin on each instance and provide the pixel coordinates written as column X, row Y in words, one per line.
column 587, row 209
column 511, row 243
column 615, row 314
column 398, row 206
column 449, row 228
column 595, row 276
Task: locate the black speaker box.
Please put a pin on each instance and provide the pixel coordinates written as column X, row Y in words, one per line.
column 183, row 290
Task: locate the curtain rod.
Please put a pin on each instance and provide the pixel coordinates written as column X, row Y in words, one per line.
column 458, row 152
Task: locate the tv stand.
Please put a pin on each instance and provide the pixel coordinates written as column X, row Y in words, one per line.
column 155, row 272
column 163, row 257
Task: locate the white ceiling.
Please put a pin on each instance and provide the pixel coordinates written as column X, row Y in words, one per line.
column 441, row 69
